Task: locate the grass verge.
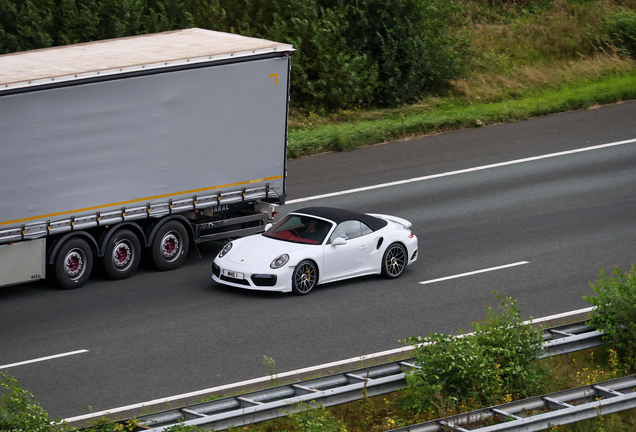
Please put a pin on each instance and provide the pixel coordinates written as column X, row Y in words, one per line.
column 350, row 135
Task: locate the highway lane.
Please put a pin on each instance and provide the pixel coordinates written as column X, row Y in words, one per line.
column 461, row 149
column 160, row 334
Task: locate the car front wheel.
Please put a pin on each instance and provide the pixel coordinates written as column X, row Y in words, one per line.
column 394, row 261
column 304, row 278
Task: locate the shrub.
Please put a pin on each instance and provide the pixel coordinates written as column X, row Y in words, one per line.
column 19, row 411
column 620, row 30
column 491, row 365
column 411, row 44
column 26, row 25
column 615, row 312
column 316, row 418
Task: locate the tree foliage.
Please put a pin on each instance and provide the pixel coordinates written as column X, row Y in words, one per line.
column 33, row 24
column 349, row 53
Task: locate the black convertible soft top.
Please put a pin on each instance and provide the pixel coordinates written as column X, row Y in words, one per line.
column 340, row 215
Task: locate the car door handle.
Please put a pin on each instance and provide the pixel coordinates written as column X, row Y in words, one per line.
column 363, row 247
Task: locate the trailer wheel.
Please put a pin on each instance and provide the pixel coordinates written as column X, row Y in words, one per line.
column 73, row 263
column 122, row 254
column 170, row 246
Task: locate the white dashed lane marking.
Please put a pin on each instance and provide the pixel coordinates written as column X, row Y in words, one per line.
column 474, row 272
column 41, row 359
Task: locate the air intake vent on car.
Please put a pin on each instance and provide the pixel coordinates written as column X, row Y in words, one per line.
column 379, row 243
column 264, row 280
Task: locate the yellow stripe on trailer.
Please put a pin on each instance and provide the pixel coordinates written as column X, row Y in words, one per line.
column 121, row 203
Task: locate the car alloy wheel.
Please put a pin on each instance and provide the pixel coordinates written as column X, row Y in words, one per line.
column 304, row 278
column 394, row 261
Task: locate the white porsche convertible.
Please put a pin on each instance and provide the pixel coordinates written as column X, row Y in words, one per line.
column 317, row 245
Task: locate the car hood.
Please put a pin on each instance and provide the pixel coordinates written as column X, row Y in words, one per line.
column 258, row 250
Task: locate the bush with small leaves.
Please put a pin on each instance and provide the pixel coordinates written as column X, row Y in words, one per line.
column 615, row 312
column 492, row 365
column 619, row 28
column 19, row 411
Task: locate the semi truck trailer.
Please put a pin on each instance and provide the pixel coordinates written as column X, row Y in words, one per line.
column 145, row 145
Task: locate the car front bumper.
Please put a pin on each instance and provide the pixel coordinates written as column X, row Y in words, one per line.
column 272, row 280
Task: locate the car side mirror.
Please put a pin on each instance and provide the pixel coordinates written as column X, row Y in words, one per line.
column 268, row 226
column 338, row 241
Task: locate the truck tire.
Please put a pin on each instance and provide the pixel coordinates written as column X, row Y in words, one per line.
column 73, row 263
column 170, row 246
column 122, row 254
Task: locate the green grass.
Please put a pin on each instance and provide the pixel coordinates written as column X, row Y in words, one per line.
column 350, row 135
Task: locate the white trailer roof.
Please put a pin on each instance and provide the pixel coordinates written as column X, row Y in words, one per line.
column 114, row 56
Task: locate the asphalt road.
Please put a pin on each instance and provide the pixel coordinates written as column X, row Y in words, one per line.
column 161, row 334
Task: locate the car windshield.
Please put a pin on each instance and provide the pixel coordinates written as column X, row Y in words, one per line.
column 300, row 229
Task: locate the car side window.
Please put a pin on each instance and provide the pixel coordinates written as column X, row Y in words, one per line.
column 365, row 229
column 347, row 230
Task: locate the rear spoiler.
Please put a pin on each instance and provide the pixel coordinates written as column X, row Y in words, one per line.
column 406, row 224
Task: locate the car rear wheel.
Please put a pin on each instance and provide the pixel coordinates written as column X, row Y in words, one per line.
column 305, row 278
column 394, row 261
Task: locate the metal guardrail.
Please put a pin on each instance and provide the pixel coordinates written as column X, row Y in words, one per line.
column 570, row 338
column 541, row 412
column 334, row 389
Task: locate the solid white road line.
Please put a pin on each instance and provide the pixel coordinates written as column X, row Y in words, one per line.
column 463, row 171
column 43, row 359
column 561, row 315
column 353, row 361
column 474, row 272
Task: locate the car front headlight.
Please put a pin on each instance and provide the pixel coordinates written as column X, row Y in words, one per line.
column 225, row 250
column 279, row 261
